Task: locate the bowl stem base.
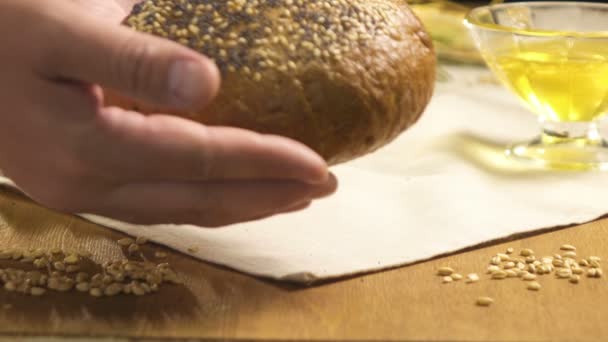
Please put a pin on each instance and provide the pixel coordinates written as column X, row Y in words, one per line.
column 564, row 146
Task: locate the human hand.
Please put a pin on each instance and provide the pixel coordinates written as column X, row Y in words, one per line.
column 69, row 152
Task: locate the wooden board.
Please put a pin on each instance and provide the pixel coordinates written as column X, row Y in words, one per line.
column 408, row 304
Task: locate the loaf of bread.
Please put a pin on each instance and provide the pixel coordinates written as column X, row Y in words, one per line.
column 344, row 77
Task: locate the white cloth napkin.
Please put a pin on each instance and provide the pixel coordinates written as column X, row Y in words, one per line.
column 444, row 185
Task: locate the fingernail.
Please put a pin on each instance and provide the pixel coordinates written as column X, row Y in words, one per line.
column 191, row 83
column 326, row 189
column 316, row 170
column 297, row 207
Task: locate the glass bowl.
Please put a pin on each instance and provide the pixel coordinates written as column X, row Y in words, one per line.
column 554, row 57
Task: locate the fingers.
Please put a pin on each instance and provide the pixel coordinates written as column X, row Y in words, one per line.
column 160, row 147
column 212, row 204
column 152, row 69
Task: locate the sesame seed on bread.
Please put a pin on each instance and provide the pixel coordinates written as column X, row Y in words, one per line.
column 344, row 77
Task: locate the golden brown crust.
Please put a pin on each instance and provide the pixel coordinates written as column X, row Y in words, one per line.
column 366, row 74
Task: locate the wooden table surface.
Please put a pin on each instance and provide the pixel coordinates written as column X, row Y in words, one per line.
column 405, row 304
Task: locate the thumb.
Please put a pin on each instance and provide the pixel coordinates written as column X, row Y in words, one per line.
column 151, row 69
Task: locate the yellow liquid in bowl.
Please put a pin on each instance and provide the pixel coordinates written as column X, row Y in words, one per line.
column 562, row 85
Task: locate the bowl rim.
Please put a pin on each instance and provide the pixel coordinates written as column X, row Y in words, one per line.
column 470, row 21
